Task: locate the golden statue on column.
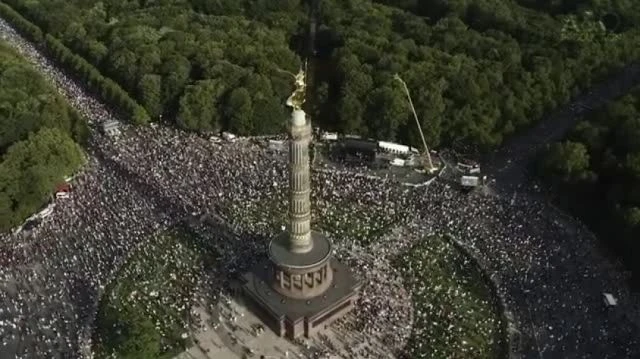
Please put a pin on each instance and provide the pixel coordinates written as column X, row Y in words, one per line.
column 297, row 97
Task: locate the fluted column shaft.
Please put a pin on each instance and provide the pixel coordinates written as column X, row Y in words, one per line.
column 299, row 184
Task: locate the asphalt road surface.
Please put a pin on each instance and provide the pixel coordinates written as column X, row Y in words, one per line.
column 508, row 166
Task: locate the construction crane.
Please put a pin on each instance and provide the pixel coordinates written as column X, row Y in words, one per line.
column 429, row 165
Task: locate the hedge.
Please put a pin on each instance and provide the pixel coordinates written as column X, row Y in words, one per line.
column 109, row 91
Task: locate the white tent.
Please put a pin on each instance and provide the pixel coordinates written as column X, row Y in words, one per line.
column 610, row 300
column 469, row 181
column 394, row 147
column 62, row 194
column 111, row 128
column 276, row 145
column 329, row 136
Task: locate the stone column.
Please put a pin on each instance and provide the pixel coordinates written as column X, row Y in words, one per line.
column 299, row 184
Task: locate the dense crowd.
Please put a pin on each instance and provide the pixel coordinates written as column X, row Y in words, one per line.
column 151, row 178
column 198, row 175
column 53, row 274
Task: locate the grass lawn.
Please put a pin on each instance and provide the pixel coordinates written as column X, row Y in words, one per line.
column 144, row 312
column 455, row 312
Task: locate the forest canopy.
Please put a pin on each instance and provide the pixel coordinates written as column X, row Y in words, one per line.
column 37, row 132
column 477, row 70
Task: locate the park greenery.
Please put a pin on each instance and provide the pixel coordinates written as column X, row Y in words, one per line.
column 144, row 312
column 595, row 173
column 106, row 88
column 455, row 311
column 39, row 136
column 478, row 70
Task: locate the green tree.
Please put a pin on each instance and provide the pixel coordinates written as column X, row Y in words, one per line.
column 150, row 94
column 175, row 70
column 321, row 97
column 198, row 106
column 351, row 113
column 632, row 216
column 7, row 217
column 502, row 65
column 32, row 167
column 388, row 110
column 632, row 164
column 268, row 116
column 567, row 160
column 239, row 111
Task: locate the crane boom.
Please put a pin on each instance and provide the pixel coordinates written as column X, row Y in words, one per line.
column 415, row 116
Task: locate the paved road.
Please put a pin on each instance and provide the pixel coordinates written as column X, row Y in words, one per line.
column 508, row 165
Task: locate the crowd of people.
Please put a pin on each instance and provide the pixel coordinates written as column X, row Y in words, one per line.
column 203, row 178
column 52, row 275
column 151, row 178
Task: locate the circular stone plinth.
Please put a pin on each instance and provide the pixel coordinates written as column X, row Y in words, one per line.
column 319, row 254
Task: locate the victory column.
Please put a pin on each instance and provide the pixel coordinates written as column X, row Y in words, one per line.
column 299, row 171
column 300, row 289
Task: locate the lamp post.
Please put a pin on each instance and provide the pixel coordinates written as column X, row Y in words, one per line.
column 415, row 116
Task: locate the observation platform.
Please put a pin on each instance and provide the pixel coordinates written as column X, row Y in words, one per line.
column 319, row 254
